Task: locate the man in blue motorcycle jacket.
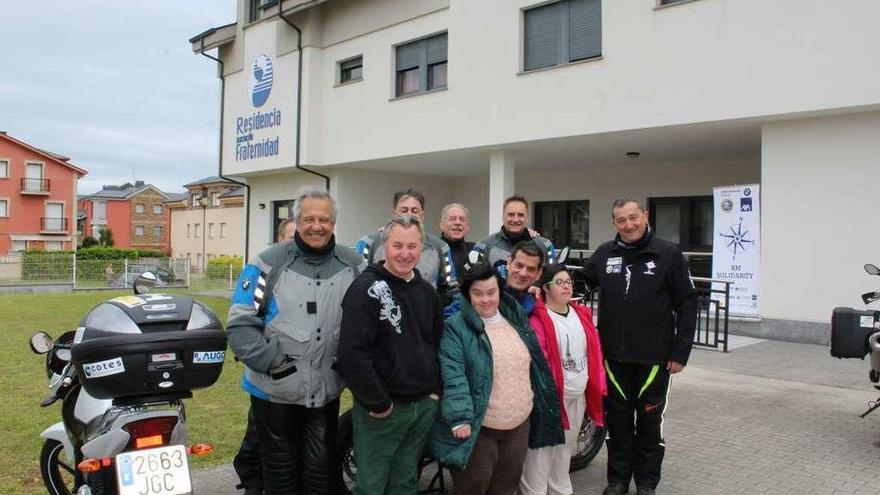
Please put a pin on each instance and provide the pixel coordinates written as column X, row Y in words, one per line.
column 284, row 324
column 647, row 315
column 435, row 264
column 497, row 249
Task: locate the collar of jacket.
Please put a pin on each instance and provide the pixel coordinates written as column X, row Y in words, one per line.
column 307, row 250
column 524, row 236
column 645, row 244
column 453, row 244
column 508, row 307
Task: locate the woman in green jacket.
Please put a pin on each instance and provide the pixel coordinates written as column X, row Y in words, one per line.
column 499, row 397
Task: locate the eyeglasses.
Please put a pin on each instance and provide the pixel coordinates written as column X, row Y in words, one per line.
column 560, row 283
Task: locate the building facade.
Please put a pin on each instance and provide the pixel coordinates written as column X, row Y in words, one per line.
column 135, row 214
column 207, row 221
column 37, row 198
column 571, row 103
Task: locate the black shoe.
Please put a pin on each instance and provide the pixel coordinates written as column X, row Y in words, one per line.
column 615, row 489
column 644, row 490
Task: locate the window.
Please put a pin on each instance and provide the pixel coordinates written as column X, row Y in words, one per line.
column 223, row 230
column 33, row 178
column 19, row 245
column 566, row 223
column 351, row 70
column 688, row 222
column 54, row 245
column 195, row 200
column 256, row 7
column 4, row 169
column 139, row 208
column 421, row 65
column 157, row 231
column 157, row 209
column 281, row 210
column 188, row 231
column 4, row 208
column 215, row 199
column 139, row 230
column 210, row 231
column 100, row 210
column 670, row 2
column 198, row 231
column 54, row 217
column 561, row 33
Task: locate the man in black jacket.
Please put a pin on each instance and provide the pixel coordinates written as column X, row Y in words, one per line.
column 392, row 321
column 647, row 315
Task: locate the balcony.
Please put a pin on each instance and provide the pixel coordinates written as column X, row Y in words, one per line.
column 35, row 186
column 53, row 225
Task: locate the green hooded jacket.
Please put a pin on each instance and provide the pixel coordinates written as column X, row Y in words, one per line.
column 466, row 369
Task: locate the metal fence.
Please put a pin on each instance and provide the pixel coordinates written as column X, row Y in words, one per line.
column 113, row 274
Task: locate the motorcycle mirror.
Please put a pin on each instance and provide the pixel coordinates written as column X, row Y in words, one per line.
column 563, row 255
column 870, row 297
column 144, row 283
column 872, row 269
column 41, row 343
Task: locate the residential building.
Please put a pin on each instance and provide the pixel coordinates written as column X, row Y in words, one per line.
column 37, row 198
column 135, row 214
column 207, row 221
column 571, row 103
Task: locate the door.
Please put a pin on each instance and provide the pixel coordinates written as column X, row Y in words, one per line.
column 54, row 220
column 686, row 221
column 33, row 175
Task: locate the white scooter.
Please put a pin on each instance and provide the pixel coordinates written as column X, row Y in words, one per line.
column 122, row 377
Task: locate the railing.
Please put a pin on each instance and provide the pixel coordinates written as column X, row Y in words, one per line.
column 34, row 185
column 50, row 224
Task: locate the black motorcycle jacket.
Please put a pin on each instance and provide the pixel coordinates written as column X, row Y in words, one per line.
column 647, row 302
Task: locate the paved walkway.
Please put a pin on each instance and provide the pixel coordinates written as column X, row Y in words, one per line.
column 767, row 417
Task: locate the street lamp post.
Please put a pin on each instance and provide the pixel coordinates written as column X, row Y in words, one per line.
column 204, row 202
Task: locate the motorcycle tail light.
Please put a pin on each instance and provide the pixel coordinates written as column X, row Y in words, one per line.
column 152, row 432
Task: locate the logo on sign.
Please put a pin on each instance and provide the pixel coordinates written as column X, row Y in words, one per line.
column 206, row 357
column 262, row 84
column 745, row 204
column 747, row 192
column 104, row 368
column 727, row 205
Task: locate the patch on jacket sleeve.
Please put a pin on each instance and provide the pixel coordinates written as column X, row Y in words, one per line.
column 251, row 280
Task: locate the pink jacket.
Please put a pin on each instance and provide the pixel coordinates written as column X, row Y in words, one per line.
column 596, row 385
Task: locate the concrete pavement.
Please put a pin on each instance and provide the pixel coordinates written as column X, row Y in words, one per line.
column 767, row 417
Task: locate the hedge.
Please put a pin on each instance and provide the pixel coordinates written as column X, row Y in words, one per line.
column 218, row 268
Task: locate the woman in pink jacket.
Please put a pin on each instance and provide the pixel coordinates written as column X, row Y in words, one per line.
column 571, row 345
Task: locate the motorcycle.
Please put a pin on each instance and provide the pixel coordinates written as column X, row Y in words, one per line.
column 856, row 333
column 122, row 377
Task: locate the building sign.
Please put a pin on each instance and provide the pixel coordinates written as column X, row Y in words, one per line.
column 736, row 251
column 260, row 105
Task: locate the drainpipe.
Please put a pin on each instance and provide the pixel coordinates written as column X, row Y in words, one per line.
column 247, row 204
column 299, row 96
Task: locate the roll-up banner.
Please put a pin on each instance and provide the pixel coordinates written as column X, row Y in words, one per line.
column 736, row 251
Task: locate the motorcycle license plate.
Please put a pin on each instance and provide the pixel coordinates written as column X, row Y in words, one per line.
column 159, row 471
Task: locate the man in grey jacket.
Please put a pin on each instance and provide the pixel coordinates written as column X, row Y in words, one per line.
column 284, row 325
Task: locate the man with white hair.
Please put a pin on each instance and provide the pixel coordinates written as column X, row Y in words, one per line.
column 454, row 227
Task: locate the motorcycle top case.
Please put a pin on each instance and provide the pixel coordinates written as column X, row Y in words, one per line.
column 149, row 344
column 850, row 329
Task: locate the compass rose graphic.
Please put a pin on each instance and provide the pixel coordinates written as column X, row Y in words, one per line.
column 737, row 239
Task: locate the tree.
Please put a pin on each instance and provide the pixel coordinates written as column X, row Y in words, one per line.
column 105, row 237
column 90, row 241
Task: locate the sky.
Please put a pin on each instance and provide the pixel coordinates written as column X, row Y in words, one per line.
column 115, row 86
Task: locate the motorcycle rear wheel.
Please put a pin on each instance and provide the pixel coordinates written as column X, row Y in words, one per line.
column 58, row 472
column 589, row 443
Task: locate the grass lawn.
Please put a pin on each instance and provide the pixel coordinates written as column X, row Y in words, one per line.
column 215, row 415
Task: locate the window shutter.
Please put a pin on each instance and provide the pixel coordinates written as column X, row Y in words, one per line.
column 355, row 62
column 437, row 49
column 585, row 29
column 543, row 33
column 408, row 56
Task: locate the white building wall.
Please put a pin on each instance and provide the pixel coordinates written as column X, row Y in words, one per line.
column 819, row 189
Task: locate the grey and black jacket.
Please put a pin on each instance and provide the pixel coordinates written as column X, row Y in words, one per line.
column 287, row 335
column 497, row 247
column 435, row 265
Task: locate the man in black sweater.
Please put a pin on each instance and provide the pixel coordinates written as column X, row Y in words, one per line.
column 392, row 321
column 454, row 227
column 647, row 315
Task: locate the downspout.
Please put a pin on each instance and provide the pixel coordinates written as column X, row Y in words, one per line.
column 247, row 204
column 299, row 96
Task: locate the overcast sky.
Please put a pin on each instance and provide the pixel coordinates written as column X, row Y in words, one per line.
column 114, row 85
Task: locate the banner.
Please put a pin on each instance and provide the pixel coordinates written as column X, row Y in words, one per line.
column 736, row 250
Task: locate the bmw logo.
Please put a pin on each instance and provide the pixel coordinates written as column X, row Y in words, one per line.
column 747, row 192
column 262, row 83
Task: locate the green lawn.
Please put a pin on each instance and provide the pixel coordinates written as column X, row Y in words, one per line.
column 215, row 415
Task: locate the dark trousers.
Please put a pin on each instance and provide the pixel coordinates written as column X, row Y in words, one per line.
column 298, row 447
column 387, row 450
column 248, row 463
column 636, row 401
column 496, row 463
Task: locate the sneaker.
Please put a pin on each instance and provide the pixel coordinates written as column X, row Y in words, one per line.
column 644, row 490
column 615, row 489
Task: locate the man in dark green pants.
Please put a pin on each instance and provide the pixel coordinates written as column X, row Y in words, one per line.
column 392, row 321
